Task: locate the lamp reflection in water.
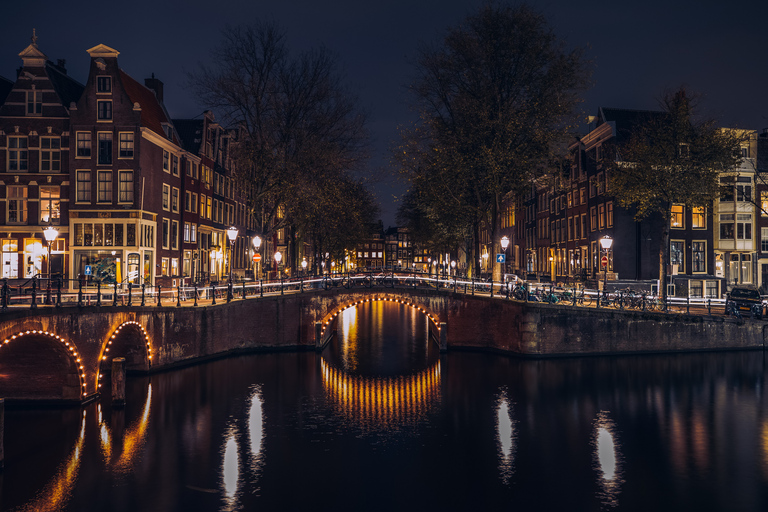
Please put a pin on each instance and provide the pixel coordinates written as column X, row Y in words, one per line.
column 381, row 402
column 507, row 436
column 232, row 467
column 607, row 459
column 55, row 495
column 132, row 443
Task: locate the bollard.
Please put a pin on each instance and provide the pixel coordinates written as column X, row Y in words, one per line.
column 282, row 288
column 261, row 287
column 114, row 297
column 118, row 381
column 34, row 294
column 229, row 292
column 195, row 304
column 159, row 293
column 80, row 294
column 58, row 293
column 98, row 294
column 178, row 296
column 143, row 293
column 243, row 290
column 130, row 294
column 213, row 292
column 688, row 305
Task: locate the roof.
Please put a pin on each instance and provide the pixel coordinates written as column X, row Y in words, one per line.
column 190, row 132
column 5, row 88
column 762, row 153
column 153, row 113
column 68, row 89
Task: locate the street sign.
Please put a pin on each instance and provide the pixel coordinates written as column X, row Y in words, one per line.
column 500, row 258
column 88, row 270
column 257, row 257
column 604, row 261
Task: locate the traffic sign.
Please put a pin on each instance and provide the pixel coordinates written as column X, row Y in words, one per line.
column 604, row 261
column 88, row 271
column 501, row 258
column 257, row 257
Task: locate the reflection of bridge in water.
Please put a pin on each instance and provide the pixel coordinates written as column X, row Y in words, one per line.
column 382, row 402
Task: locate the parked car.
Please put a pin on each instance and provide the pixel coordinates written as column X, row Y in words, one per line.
column 745, row 300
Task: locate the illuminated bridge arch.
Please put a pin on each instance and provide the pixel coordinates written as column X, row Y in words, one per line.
column 336, row 311
column 131, row 341
column 24, row 357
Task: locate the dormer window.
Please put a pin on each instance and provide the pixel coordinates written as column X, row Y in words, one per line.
column 168, row 131
column 104, row 84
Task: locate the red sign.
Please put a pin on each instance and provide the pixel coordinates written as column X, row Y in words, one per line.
column 257, row 257
column 604, row 261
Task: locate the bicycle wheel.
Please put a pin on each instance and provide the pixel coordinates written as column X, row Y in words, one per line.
column 585, row 300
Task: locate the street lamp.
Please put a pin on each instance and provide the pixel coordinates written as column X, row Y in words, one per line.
column 232, row 235
column 453, row 267
column 304, row 265
column 50, row 233
column 606, row 242
column 256, row 246
column 504, row 245
column 278, row 259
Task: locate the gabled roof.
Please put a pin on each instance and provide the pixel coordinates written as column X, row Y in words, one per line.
column 153, row 114
column 762, row 153
column 625, row 120
column 68, row 89
column 5, row 88
column 191, row 134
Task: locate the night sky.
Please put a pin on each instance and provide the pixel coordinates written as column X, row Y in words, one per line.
column 639, row 49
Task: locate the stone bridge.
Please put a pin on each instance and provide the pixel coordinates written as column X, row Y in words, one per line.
column 62, row 354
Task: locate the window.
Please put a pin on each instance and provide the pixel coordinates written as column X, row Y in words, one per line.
column 166, row 232
column 125, row 192
column 676, row 254
column 10, row 258
column 600, row 183
column 208, row 208
column 764, row 203
column 104, row 187
column 187, row 201
column 570, row 200
column 583, row 225
column 126, row 145
column 609, row 206
column 104, row 110
column 193, row 233
column 593, row 218
column 105, row 148
column 164, row 267
column 186, row 232
column 698, row 258
column 17, row 204
column 166, row 197
column 764, row 240
column 104, row 84
column 50, row 204
column 202, row 205
column 166, row 161
column 18, row 156
column 677, row 217
column 743, row 226
column 50, row 154
column 601, row 216
column 34, row 103
column 83, row 145
column 83, row 186
column 174, row 266
column 175, row 200
column 698, row 218
column 175, row 165
column 744, row 191
column 727, row 226
column 726, row 188
column 175, row 235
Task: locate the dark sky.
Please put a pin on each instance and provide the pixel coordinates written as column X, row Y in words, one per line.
column 718, row 49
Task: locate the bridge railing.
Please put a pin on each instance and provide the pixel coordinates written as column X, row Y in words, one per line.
column 38, row 293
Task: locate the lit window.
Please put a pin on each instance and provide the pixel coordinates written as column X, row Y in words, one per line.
column 698, row 257
column 126, row 145
column 677, row 217
column 83, row 145
column 83, row 186
column 698, row 218
column 17, row 204
column 50, row 204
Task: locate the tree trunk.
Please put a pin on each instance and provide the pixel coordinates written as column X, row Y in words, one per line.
column 664, row 258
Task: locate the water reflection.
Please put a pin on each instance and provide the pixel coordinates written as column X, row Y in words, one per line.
column 230, row 469
column 607, row 459
column 55, row 495
column 133, row 440
column 256, row 428
column 506, row 436
column 382, row 402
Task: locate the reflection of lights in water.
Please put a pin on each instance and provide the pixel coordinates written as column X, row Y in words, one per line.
column 505, row 430
column 230, row 469
column 133, row 440
column 382, row 402
column 255, row 427
column 607, row 459
column 349, row 346
column 56, row 494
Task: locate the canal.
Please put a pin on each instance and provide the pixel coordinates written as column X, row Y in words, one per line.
column 382, row 421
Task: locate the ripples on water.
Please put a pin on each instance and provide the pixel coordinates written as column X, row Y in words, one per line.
column 377, row 424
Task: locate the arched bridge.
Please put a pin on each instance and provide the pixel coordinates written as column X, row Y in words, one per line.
column 61, row 354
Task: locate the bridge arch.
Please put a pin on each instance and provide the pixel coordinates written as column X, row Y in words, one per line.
column 334, row 312
column 24, row 357
column 129, row 340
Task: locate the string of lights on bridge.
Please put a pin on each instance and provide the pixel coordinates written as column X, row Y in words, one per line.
column 332, row 316
column 112, row 338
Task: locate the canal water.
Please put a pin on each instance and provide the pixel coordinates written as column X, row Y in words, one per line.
column 381, row 421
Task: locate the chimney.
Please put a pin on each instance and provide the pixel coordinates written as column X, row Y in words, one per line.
column 156, row 85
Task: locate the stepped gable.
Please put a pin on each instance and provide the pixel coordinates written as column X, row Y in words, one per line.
column 153, row 114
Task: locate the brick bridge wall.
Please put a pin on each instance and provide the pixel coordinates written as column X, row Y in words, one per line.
column 55, row 354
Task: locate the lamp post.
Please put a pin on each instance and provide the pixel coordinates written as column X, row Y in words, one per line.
column 453, row 267
column 256, row 246
column 504, row 245
column 606, row 242
column 304, row 265
column 50, row 233
column 278, row 259
column 232, row 235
